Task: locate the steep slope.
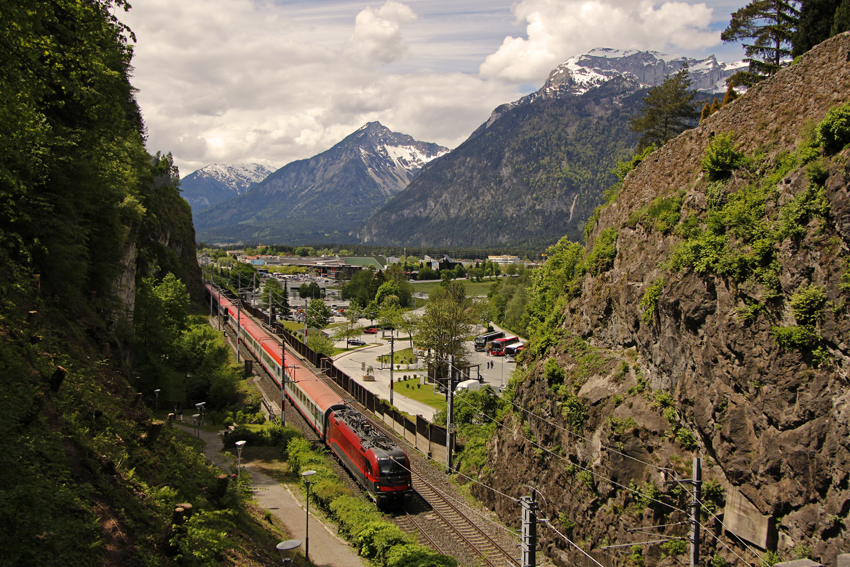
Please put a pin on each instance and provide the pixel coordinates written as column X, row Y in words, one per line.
column 326, row 196
column 709, row 317
column 216, row 183
column 538, row 167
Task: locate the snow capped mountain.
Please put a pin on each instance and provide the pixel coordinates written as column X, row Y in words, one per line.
column 581, row 73
column 215, row 183
column 239, row 176
column 335, row 191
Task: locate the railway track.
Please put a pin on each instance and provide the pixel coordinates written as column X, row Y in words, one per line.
column 465, row 528
column 429, row 515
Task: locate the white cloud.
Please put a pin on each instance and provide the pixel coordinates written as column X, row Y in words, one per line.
column 272, row 81
column 377, row 33
column 234, row 81
column 558, row 29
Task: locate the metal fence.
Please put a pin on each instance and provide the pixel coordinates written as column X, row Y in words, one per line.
column 426, row 437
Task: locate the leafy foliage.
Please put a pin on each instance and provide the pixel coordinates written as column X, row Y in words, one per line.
column 834, row 130
column 721, row 158
column 601, row 256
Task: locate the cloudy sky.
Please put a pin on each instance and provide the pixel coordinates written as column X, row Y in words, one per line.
column 272, row 81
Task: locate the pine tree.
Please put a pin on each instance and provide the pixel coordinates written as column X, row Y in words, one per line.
column 770, row 24
column 669, row 110
column 715, row 106
column 706, row 112
column 841, row 20
column 729, row 96
column 816, row 19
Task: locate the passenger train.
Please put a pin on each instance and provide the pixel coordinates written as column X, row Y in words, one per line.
column 374, row 460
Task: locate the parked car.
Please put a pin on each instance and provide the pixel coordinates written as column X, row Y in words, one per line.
column 355, row 342
column 371, row 331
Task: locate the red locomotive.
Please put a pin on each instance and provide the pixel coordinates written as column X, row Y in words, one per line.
column 377, row 463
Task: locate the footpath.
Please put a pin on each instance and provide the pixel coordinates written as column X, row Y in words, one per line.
column 326, row 549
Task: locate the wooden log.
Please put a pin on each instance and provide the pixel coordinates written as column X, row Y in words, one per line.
column 57, row 378
column 149, row 437
column 137, row 400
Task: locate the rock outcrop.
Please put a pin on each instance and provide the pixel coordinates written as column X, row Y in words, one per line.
column 707, row 371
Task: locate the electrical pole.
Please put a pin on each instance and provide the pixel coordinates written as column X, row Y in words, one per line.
column 392, row 361
column 449, row 414
column 218, row 309
column 282, row 380
column 529, row 530
column 238, row 328
column 695, row 506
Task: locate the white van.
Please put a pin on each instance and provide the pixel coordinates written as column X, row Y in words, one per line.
column 469, row 386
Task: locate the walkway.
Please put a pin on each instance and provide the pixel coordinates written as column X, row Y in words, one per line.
column 325, row 548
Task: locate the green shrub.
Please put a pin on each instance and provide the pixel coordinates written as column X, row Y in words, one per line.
column 795, row 215
column 686, row 438
column 717, row 561
column 601, row 257
column 635, row 558
column 833, row 132
column 204, row 538
column 673, row 548
column 574, row 412
column 377, row 538
column 415, row 555
column 795, row 337
column 807, row 304
column 553, row 372
column 649, row 301
column 713, row 496
column 721, row 158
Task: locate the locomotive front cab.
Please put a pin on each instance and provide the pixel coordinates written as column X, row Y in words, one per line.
column 394, row 474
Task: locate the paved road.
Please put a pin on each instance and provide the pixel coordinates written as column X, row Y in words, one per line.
column 355, row 360
column 325, row 548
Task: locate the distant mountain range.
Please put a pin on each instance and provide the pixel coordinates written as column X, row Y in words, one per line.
column 216, row 183
column 532, row 173
column 537, row 168
column 326, row 198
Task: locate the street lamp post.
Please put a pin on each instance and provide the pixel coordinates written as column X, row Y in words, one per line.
column 239, row 445
column 306, row 475
column 156, row 403
column 200, row 406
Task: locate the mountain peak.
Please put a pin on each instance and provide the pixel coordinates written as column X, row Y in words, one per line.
column 217, row 182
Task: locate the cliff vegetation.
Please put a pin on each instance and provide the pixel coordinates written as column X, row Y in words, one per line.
column 707, row 316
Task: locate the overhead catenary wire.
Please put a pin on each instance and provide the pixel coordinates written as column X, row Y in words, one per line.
column 614, row 483
column 596, row 475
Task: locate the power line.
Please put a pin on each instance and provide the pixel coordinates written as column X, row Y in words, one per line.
column 614, row 483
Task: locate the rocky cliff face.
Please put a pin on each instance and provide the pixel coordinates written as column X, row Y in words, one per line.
column 719, row 330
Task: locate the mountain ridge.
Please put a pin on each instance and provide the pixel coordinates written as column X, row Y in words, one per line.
column 326, row 196
column 215, row 183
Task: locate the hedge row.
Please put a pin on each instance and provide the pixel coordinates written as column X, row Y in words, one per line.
column 359, row 520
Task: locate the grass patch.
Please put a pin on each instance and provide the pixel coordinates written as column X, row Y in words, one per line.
column 424, row 394
column 472, row 288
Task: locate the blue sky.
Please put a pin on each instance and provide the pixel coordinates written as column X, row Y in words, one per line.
column 272, row 81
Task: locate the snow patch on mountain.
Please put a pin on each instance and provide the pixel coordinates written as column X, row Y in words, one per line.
column 238, row 177
column 581, row 73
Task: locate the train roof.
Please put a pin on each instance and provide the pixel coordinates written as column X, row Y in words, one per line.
column 324, row 396
column 370, row 436
column 316, row 388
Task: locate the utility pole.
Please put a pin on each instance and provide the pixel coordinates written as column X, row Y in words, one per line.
column 218, row 308
column 695, row 506
column 238, row 327
column 392, row 361
column 282, row 380
column 529, row 530
column 450, row 414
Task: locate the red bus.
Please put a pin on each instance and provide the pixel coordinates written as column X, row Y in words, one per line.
column 497, row 347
